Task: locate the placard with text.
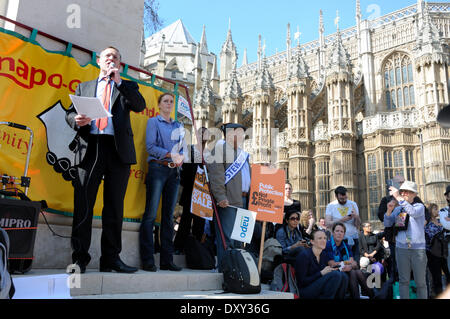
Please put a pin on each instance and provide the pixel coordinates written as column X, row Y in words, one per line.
column 267, row 193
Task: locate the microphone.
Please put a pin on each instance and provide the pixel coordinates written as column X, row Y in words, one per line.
column 112, row 65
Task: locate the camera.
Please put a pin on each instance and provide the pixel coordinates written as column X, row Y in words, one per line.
column 391, row 182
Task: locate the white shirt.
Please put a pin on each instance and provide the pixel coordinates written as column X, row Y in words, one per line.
column 109, row 129
column 338, row 211
column 245, row 173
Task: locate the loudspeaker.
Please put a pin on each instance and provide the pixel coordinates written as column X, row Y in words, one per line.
column 443, row 117
column 19, row 219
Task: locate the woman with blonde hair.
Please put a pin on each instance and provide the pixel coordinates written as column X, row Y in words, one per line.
column 307, row 224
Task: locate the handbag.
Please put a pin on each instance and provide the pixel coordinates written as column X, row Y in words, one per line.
column 401, row 221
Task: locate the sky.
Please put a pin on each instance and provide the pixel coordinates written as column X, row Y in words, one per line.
column 249, row 18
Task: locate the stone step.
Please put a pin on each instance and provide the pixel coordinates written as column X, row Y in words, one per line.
column 265, row 293
column 163, row 284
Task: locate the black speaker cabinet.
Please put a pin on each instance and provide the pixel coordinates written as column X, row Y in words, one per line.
column 20, row 218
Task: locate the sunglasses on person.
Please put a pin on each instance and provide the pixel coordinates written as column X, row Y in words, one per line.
column 294, row 218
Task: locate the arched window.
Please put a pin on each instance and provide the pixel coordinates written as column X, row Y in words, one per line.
column 398, row 81
column 373, row 185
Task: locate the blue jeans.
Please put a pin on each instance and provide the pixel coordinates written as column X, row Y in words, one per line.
column 330, row 286
column 160, row 180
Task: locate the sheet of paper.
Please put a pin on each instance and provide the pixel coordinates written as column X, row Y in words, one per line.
column 89, row 106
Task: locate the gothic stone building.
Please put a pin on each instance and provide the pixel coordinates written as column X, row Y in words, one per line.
column 354, row 108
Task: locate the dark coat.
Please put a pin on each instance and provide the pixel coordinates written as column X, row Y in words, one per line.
column 125, row 98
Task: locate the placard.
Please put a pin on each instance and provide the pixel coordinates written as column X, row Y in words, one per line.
column 267, row 193
column 201, row 203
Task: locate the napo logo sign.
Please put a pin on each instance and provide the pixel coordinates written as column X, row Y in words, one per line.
column 244, row 225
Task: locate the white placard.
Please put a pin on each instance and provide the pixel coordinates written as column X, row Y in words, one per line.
column 244, row 225
column 89, row 106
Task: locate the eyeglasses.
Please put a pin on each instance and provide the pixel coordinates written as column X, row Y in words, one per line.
column 294, row 218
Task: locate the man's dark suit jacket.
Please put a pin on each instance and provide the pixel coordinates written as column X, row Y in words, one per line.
column 125, row 98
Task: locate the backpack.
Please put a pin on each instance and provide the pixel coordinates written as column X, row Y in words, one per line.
column 284, row 280
column 198, row 255
column 272, row 248
column 240, row 273
column 439, row 245
column 6, row 285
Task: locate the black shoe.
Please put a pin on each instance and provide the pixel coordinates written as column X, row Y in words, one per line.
column 171, row 267
column 149, row 267
column 79, row 264
column 117, row 265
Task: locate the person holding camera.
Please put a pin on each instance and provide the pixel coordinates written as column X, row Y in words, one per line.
column 408, row 220
column 315, row 278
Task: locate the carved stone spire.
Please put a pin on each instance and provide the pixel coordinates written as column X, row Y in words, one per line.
column 244, row 58
column 233, row 89
column 298, row 67
column 428, row 39
column 205, row 97
column 229, row 46
column 162, row 51
column 263, row 79
column 339, row 59
column 203, row 44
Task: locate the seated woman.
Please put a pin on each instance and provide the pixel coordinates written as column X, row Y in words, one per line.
column 370, row 247
column 315, row 278
column 340, row 255
column 290, row 237
column 307, row 224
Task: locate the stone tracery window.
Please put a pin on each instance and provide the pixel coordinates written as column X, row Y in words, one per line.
column 373, row 184
column 398, row 81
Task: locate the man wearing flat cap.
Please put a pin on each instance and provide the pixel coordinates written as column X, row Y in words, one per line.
column 229, row 174
column 444, row 218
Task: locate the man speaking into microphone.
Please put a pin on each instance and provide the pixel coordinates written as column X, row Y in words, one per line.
column 110, row 152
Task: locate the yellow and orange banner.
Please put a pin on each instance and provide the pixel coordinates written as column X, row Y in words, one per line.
column 34, row 91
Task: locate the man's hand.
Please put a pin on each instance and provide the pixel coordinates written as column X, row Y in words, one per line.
column 114, row 74
column 82, row 120
column 327, row 270
column 346, row 218
column 177, row 159
column 390, row 207
column 224, row 203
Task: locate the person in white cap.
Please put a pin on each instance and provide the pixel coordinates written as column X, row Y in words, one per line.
column 410, row 240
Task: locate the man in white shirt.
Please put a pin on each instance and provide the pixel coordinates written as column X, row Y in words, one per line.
column 444, row 218
column 345, row 211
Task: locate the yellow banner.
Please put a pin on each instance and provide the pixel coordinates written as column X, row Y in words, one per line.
column 34, row 91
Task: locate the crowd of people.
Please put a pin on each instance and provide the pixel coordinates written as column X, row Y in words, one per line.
column 332, row 258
